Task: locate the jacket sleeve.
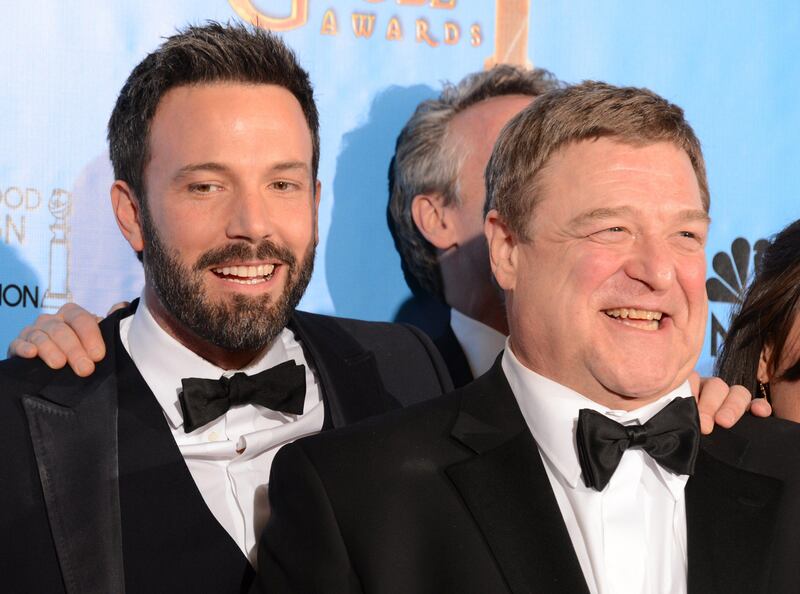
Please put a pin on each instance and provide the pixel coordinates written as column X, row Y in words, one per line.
column 301, row 549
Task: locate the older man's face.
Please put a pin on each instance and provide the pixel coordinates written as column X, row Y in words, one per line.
column 608, row 296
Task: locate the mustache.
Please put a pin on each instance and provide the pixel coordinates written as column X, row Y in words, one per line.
column 245, row 251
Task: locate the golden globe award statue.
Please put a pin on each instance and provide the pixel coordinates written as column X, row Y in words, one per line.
column 58, row 293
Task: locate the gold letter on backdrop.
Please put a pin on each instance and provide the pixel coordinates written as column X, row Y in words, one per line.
column 297, row 16
column 362, row 24
column 329, row 26
column 393, row 30
column 510, row 33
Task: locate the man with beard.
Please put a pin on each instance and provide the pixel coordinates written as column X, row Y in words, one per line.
column 150, row 475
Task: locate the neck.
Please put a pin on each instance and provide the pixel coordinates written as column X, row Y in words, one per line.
column 592, row 390
column 218, row 356
column 489, row 310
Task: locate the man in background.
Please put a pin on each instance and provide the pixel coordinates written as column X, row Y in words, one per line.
column 436, row 208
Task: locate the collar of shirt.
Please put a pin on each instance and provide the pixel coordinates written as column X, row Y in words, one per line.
column 551, row 413
column 481, row 344
column 163, row 361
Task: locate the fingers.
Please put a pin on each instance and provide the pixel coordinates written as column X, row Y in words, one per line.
column 46, row 349
column 69, row 336
column 118, row 306
column 718, row 403
column 84, row 326
column 736, row 404
column 20, row 347
column 58, row 344
column 760, row 407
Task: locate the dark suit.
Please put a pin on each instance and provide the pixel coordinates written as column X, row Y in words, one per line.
column 95, row 495
column 452, row 496
column 454, row 357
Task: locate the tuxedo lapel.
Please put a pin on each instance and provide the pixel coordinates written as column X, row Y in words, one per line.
column 731, row 518
column 73, row 426
column 348, row 374
column 508, row 493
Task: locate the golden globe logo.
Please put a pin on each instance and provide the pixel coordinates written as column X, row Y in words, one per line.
column 511, row 24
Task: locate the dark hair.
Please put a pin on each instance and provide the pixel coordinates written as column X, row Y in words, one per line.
column 425, row 162
column 765, row 315
column 201, row 54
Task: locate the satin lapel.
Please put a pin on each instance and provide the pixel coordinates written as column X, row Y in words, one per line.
column 507, row 491
column 73, row 426
column 731, row 516
column 348, row 374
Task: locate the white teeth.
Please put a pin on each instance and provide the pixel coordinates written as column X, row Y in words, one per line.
column 634, row 314
column 247, row 274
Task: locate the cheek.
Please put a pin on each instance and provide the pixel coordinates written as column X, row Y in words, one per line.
column 692, row 278
column 597, row 275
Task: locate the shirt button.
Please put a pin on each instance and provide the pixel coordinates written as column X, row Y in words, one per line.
column 213, row 436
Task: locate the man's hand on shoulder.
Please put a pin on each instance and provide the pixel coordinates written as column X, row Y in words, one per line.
column 70, row 336
column 723, row 405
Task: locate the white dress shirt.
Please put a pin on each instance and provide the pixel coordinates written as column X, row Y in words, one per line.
column 481, row 343
column 228, row 458
column 629, row 538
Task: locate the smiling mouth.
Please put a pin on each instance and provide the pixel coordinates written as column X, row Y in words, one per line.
column 246, row 275
column 643, row 319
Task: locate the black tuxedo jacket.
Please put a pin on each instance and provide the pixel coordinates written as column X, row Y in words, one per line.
column 452, row 497
column 90, row 468
column 454, row 357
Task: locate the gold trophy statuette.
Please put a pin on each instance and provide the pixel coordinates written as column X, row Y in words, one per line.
column 58, row 293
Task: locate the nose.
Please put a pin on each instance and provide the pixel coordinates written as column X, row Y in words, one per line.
column 651, row 262
column 249, row 217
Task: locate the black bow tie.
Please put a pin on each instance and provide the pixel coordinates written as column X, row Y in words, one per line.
column 671, row 438
column 281, row 388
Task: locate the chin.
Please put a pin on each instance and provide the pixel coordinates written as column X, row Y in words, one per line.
column 638, row 385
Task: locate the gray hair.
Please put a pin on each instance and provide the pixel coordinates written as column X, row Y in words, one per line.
column 579, row 112
column 425, row 163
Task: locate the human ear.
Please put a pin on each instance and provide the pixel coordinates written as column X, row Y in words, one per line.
column 503, row 253
column 128, row 214
column 763, row 371
column 434, row 220
column 317, row 195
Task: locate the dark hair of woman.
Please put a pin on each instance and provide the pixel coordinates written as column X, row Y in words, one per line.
column 765, row 317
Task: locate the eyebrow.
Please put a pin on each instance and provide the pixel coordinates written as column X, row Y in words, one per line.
column 599, row 214
column 221, row 168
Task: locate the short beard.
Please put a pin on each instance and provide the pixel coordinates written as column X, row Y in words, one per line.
column 241, row 324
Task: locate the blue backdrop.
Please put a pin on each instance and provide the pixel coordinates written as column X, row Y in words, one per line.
column 730, row 65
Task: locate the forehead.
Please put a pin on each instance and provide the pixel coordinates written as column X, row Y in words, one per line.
column 608, row 173
column 481, row 123
column 199, row 117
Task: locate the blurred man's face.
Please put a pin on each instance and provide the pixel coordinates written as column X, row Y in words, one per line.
column 608, row 296
column 230, row 227
column 471, row 137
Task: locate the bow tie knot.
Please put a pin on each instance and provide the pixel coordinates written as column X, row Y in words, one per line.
column 235, row 389
column 671, row 438
column 637, row 435
column 281, row 388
